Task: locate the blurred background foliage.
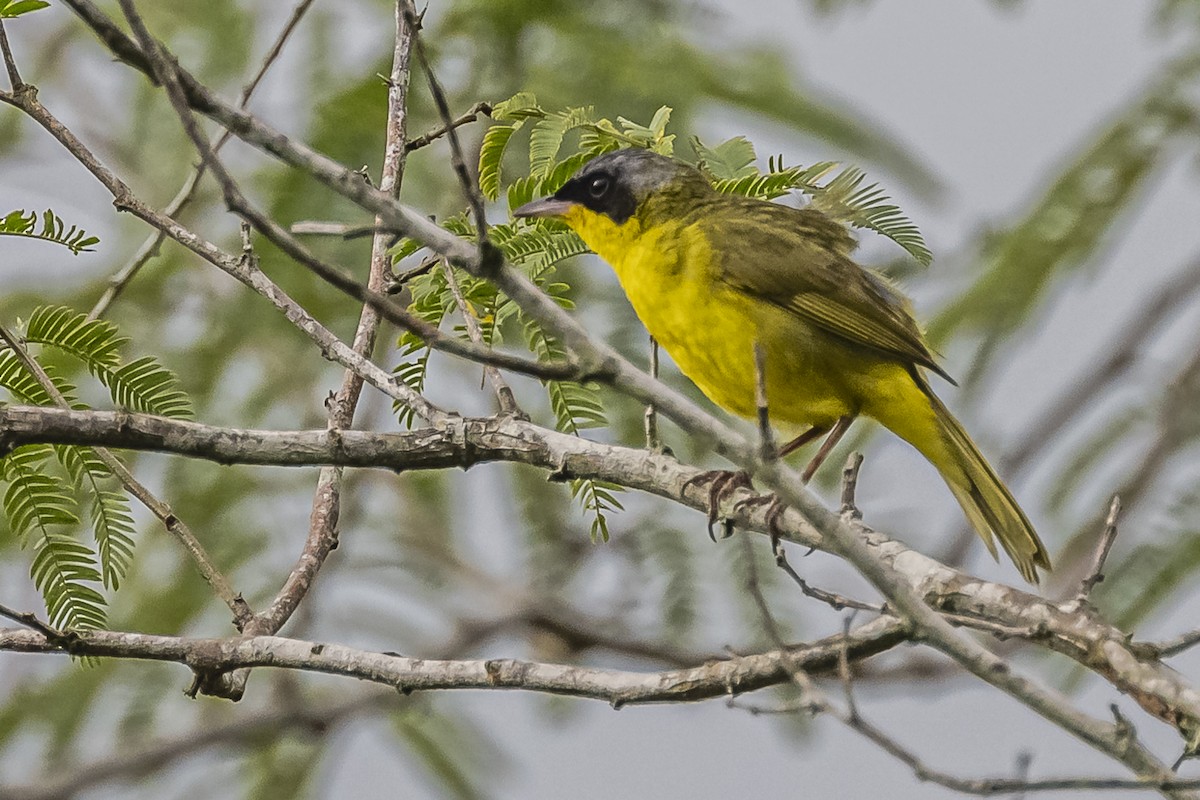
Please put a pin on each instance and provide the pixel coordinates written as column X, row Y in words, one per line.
column 500, row 561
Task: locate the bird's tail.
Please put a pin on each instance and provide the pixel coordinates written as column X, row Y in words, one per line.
column 987, row 502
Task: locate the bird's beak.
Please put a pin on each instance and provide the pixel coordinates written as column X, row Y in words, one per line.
column 546, row 207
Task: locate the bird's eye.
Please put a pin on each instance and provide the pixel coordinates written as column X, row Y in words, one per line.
column 599, row 186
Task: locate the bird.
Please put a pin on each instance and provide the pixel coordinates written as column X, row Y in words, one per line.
column 714, row 277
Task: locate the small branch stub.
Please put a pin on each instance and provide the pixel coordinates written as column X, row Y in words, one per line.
column 850, row 486
column 1096, row 573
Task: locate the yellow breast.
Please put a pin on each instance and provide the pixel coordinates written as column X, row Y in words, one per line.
column 710, row 329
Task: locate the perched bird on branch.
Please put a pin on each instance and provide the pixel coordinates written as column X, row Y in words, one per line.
column 713, row 276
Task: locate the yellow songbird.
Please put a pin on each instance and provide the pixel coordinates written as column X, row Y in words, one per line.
column 714, row 275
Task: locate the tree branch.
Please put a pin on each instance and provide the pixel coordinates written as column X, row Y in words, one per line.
column 617, row 687
column 242, row 269
column 504, row 393
column 10, row 63
column 326, row 507
column 437, row 133
column 1081, row 635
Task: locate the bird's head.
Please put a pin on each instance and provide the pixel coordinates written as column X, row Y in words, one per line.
column 618, row 186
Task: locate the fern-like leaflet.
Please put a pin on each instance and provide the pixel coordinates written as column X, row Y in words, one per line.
column 42, row 504
column 41, row 515
column 575, row 407
column 431, row 302
column 140, row 385
column 53, row 229
column 9, row 9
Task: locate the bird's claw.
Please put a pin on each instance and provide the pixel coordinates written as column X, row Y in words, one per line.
column 774, row 512
column 721, row 484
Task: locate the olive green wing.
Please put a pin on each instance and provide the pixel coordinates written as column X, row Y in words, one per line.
column 799, row 260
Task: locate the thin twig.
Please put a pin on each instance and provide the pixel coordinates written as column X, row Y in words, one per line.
column 322, row 538
column 316, row 227
column 810, row 696
column 504, row 394
column 903, row 590
column 980, row 787
column 167, row 73
column 398, row 282
column 836, row 601
column 1096, row 573
column 151, row 246
column 1173, row 647
column 174, row 525
column 844, row 671
column 995, row 609
column 10, row 63
column 31, row 621
column 439, row 132
column 469, row 186
column 243, row 271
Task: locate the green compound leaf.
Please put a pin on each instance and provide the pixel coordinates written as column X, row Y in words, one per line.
column 53, row 229
column 141, row 385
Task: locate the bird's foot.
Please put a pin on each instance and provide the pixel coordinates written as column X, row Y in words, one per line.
column 775, row 510
column 721, row 484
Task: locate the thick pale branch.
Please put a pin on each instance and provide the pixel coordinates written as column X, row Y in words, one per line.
column 618, row 687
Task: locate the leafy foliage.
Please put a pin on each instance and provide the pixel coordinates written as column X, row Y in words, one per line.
column 665, row 55
column 451, row 751
column 53, row 228
column 45, row 506
column 108, row 511
column 730, row 164
column 285, row 767
column 665, row 556
column 41, row 514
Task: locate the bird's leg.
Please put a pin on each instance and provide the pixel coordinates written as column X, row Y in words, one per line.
column 809, row 435
column 835, row 435
column 767, row 449
column 724, row 482
column 721, row 483
column 777, row 507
